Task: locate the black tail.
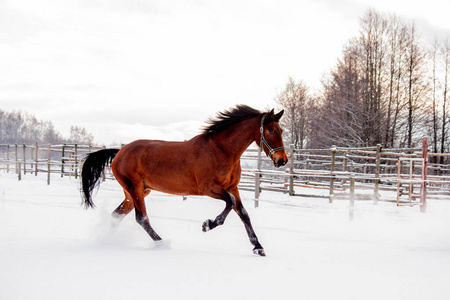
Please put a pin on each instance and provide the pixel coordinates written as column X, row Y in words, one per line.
column 92, row 170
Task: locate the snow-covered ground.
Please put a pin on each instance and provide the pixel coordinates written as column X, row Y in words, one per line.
column 52, row 248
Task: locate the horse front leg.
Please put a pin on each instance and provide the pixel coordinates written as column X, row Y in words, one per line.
column 233, row 201
column 242, row 212
column 245, row 218
column 220, row 219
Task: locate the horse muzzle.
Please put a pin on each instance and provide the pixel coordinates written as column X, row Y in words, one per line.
column 279, row 162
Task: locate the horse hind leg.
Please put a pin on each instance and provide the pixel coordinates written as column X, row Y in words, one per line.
column 126, row 206
column 142, row 217
column 122, row 210
column 137, row 192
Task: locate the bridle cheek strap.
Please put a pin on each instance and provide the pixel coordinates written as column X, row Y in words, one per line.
column 263, row 140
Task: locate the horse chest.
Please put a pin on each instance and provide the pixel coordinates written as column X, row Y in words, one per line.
column 227, row 175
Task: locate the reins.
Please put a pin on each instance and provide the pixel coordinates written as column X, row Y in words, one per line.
column 263, row 140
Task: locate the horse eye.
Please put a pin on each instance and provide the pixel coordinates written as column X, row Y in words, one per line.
column 272, row 132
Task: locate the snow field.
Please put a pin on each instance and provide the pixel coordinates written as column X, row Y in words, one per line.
column 52, row 248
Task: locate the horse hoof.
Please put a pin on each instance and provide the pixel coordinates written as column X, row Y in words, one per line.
column 260, row 252
column 163, row 244
column 206, row 226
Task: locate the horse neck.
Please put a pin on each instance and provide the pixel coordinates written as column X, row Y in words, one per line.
column 235, row 140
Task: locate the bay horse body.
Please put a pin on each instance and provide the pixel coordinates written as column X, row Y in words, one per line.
column 208, row 165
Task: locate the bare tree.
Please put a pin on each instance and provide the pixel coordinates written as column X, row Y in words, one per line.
column 416, row 87
column 379, row 90
column 294, row 100
column 373, row 43
column 434, row 125
column 80, row 135
column 348, row 117
column 445, row 51
column 397, row 32
column 22, row 127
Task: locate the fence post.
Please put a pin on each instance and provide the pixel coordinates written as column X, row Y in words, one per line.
column 36, row 160
column 16, row 156
column 49, row 167
column 333, row 165
column 352, row 198
column 291, row 170
column 62, row 159
column 423, row 186
column 48, row 172
column 7, row 158
column 399, row 171
column 307, row 168
column 258, row 179
column 24, row 160
column 376, row 195
column 345, row 167
column 76, row 161
column 19, row 174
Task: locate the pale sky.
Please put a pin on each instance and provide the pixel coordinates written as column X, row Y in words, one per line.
column 128, row 69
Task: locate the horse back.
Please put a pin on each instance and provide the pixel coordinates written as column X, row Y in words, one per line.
column 182, row 168
column 154, row 156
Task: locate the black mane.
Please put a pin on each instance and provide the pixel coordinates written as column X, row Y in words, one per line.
column 227, row 118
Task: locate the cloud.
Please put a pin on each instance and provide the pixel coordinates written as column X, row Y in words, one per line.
column 160, row 62
column 121, row 133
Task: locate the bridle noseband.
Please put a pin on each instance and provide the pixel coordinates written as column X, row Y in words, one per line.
column 263, row 140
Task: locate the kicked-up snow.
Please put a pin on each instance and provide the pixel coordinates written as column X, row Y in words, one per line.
column 52, row 248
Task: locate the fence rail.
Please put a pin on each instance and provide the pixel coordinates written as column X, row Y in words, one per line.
column 413, row 173
column 63, row 159
column 341, row 171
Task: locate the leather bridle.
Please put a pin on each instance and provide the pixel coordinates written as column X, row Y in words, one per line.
column 263, row 140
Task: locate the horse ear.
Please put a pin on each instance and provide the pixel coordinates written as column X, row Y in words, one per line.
column 269, row 117
column 278, row 116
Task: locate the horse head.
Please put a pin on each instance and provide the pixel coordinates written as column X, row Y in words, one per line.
column 271, row 141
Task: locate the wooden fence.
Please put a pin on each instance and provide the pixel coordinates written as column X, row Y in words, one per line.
column 336, row 173
column 63, row 160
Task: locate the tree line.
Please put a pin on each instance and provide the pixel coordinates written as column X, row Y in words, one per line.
column 24, row 128
column 388, row 88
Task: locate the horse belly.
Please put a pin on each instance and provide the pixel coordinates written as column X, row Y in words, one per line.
column 171, row 177
column 175, row 187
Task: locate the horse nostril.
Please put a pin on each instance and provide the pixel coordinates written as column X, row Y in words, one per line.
column 281, row 162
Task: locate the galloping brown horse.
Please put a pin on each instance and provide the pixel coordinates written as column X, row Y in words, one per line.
column 208, row 164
